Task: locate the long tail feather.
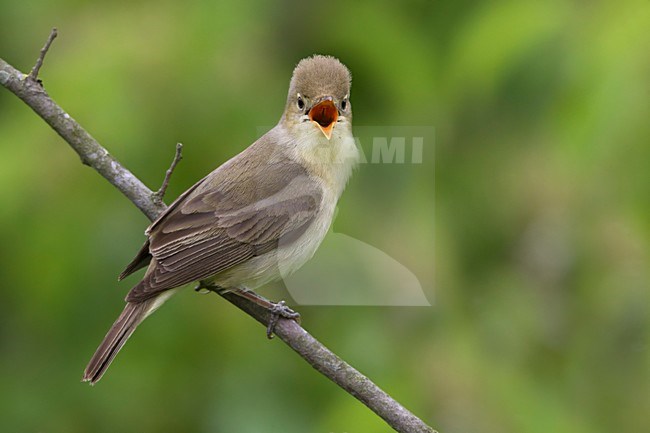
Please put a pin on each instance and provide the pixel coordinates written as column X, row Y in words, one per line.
column 132, row 315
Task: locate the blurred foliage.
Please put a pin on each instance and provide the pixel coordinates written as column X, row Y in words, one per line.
column 540, row 319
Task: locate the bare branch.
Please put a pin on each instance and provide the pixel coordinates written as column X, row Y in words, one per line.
column 95, row 156
column 89, row 150
column 335, row 369
column 158, row 195
column 39, row 62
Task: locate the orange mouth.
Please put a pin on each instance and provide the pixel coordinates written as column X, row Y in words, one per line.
column 324, row 114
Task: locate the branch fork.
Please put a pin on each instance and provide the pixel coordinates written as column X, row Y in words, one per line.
column 33, row 74
column 157, row 196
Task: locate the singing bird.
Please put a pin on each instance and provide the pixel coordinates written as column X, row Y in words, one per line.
column 256, row 218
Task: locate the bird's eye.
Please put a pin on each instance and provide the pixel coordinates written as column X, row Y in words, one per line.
column 301, row 103
column 344, row 104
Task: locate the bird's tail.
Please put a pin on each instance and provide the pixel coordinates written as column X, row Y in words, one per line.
column 134, row 313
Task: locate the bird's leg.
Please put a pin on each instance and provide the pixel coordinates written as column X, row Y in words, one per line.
column 277, row 310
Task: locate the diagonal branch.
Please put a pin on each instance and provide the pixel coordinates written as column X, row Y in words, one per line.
column 30, row 90
column 88, row 149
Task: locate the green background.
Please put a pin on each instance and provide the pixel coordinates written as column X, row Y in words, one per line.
column 539, row 284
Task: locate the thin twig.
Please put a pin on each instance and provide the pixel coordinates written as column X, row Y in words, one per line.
column 314, row 352
column 39, row 62
column 158, row 195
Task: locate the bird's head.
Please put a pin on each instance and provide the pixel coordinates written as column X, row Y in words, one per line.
column 319, row 96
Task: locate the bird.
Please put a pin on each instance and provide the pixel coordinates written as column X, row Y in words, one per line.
column 256, row 218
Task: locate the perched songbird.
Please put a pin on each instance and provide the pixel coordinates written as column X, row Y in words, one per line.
column 259, row 216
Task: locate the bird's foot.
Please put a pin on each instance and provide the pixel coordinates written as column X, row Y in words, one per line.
column 280, row 310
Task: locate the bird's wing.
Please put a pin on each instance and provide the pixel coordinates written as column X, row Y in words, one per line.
column 143, row 257
column 243, row 209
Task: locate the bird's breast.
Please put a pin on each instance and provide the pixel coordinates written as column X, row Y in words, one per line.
column 329, row 161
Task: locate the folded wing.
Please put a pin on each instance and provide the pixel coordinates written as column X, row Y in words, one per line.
column 241, row 210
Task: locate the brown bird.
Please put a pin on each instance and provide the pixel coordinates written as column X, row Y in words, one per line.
column 256, row 218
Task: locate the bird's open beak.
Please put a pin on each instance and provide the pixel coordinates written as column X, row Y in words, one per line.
column 324, row 114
